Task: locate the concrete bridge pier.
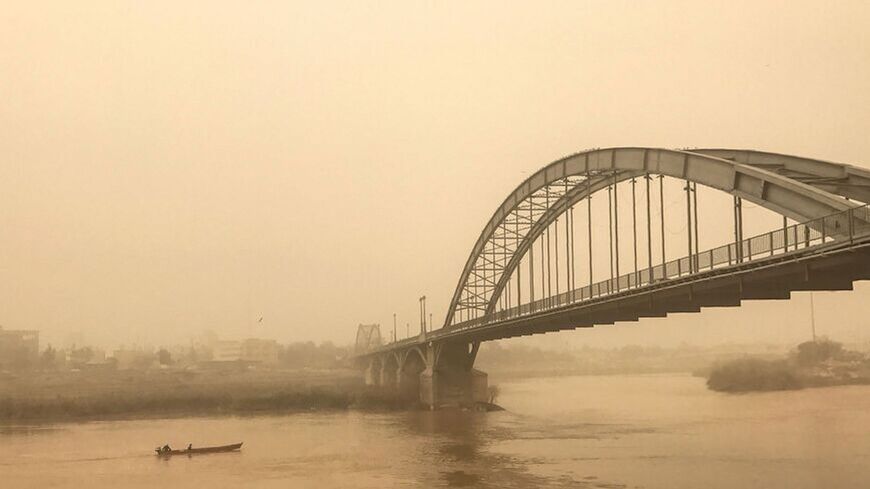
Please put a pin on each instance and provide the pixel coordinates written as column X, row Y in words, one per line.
column 389, row 372
column 435, row 374
column 450, row 378
column 372, row 372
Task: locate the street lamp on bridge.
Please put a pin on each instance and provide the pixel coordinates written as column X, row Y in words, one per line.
column 423, row 314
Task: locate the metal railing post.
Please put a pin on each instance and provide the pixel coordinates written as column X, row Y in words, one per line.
column 851, row 216
column 785, row 233
column 823, row 231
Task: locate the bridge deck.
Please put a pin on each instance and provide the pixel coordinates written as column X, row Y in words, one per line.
column 826, row 266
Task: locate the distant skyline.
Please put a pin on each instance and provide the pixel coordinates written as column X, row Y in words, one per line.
column 173, row 168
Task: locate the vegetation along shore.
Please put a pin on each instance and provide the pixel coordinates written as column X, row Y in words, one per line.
column 812, row 364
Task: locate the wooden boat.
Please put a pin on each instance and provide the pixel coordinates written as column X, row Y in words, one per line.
column 197, row 451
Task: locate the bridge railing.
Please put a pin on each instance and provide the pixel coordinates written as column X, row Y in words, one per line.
column 840, row 227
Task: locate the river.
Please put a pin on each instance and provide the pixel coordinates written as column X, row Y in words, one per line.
column 650, row 431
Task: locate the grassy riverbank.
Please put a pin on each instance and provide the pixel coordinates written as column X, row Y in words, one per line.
column 62, row 396
column 812, row 364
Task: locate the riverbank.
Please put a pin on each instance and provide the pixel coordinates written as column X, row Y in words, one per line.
column 821, row 363
column 62, row 396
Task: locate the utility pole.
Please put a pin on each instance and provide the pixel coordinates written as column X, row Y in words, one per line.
column 813, row 315
column 394, row 327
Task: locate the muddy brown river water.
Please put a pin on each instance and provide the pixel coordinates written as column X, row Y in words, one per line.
column 655, row 431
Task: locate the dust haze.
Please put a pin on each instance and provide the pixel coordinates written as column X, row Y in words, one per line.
column 200, row 202
column 169, row 169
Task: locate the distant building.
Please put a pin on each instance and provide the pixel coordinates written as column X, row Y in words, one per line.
column 76, row 357
column 262, row 351
column 226, row 351
column 18, row 348
column 202, row 347
column 133, row 359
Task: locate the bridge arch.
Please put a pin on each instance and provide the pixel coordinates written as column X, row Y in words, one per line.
column 412, row 364
column 844, row 180
column 390, row 369
column 411, row 355
column 551, row 191
column 373, row 371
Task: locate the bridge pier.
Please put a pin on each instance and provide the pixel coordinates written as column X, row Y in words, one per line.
column 435, row 375
column 450, row 379
column 372, row 374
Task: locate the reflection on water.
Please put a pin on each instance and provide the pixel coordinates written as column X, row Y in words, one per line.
column 586, row 432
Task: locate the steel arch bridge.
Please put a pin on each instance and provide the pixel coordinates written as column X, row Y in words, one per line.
column 825, row 249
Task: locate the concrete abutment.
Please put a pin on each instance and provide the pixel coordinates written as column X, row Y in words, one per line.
column 436, row 375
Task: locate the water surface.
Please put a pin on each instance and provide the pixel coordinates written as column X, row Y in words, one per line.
column 662, row 431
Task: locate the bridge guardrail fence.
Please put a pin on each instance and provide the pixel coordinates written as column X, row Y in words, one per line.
column 840, row 227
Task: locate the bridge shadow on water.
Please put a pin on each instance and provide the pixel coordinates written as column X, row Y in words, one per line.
column 462, row 452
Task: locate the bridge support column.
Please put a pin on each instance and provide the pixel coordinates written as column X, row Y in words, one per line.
column 450, row 380
column 389, row 372
column 373, row 372
column 433, row 374
column 428, row 381
column 384, row 379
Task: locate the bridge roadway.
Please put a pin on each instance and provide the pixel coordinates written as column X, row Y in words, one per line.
column 834, row 266
column 828, row 249
column 418, row 364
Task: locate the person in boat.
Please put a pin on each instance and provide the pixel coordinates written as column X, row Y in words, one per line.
column 166, row 449
column 190, row 446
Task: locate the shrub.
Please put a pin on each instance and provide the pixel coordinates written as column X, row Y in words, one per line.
column 753, row 374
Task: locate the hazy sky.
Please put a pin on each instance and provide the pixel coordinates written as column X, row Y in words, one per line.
column 170, row 167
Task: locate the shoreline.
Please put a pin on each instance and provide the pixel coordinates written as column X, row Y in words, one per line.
column 332, row 394
column 821, row 363
column 47, row 397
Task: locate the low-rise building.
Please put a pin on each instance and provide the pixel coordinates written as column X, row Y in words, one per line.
column 261, row 351
column 133, row 359
column 226, row 351
column 18, row 348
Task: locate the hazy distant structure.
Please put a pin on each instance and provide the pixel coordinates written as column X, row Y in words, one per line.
column 521, row 279
column 368, row 337
column 226, row 351
column 18, row 348
column 260, row 350
column 135, row 358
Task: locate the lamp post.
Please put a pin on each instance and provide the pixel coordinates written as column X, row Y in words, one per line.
column 423, row 314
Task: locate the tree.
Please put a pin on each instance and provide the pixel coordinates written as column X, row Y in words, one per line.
column 493, row 392
column 753, row 374
column 81, row 355
column 48, row 357
column 21, row 359
column 164, row 357
column 810, row 353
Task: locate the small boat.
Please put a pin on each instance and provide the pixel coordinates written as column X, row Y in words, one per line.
column 163, row 452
